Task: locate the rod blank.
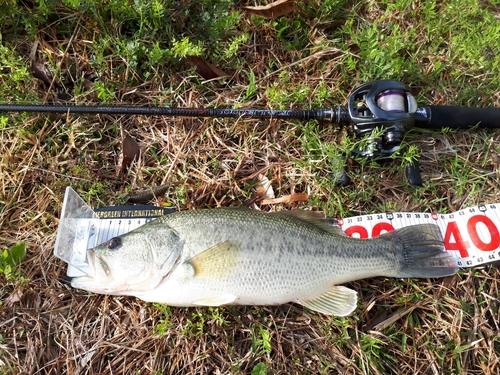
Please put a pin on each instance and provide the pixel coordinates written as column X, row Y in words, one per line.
column 333, row 115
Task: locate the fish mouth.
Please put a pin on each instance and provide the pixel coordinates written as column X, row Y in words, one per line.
column 90, row 273
column 98, row 278
column 91, row 259
column 99, row 267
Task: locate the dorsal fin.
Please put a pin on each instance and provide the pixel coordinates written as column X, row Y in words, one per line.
column 315, row 218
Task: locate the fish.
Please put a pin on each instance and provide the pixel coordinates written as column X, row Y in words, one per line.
column 235, row 256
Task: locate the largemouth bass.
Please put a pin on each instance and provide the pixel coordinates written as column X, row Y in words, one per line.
column 240, row 256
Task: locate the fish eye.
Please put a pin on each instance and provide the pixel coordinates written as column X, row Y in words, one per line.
column 114, row 243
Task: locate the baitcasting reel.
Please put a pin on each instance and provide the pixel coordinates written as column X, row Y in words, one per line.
column 387, row 106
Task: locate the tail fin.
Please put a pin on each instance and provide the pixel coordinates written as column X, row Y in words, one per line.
column 423, row 252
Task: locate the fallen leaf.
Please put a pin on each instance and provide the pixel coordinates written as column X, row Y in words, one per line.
column 277, row 9
column 205, row 69
column 131, row 151
column 379, row 317
column 389, row 321
column 15, row 297
column 42, row 73
column 88, row 85
column 264, row 188
column 295, row 197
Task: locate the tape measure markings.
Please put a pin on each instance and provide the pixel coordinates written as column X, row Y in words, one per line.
column 471, row 235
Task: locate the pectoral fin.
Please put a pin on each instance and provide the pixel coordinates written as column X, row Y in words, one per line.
column 339, row 301
column 216, row 262
column 224, row 299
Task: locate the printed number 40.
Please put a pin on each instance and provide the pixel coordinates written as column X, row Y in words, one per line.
column 462, row 245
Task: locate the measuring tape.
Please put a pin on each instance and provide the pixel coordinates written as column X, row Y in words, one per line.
column 471, row 235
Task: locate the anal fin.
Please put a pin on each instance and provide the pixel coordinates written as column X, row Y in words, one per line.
column 339, row 301
column 224, row 299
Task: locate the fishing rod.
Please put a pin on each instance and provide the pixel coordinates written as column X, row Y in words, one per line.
column 385, row 105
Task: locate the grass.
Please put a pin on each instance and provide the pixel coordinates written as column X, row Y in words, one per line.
column 133, row 52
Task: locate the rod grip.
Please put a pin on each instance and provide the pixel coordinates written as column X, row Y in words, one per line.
column 455, row 117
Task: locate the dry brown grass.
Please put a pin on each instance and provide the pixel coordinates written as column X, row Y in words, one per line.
column 446, row 326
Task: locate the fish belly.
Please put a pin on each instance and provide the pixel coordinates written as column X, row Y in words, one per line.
column 266, row 280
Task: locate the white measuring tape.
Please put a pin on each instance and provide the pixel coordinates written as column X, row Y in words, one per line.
column 471, row 235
